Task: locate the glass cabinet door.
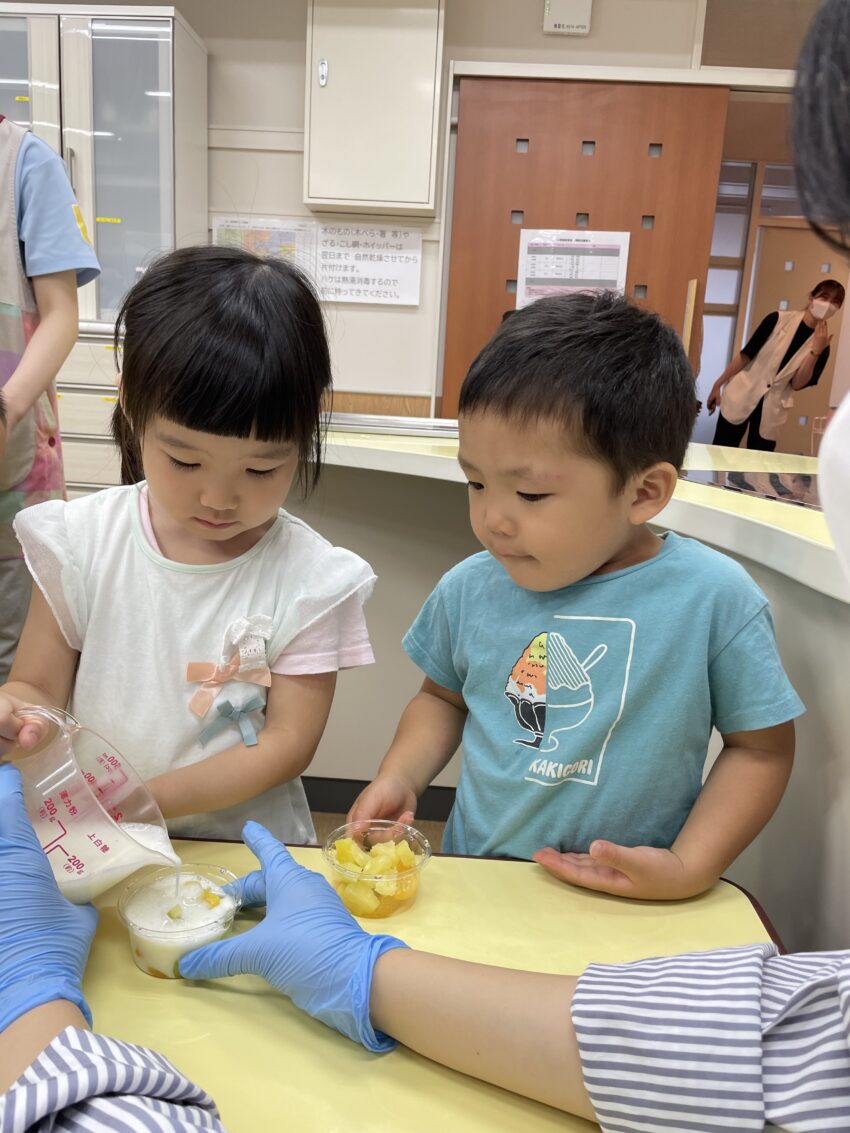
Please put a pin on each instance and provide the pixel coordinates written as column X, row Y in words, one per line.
column 132, row 151
column 15, row 70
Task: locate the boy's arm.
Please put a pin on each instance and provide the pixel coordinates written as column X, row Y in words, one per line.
column 50, row 345
column 296, row 713
column 740, row 794
column 427, row 736
column 42, row 673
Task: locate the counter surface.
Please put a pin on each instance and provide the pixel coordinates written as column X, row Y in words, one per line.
column 791, row 539
column 270, row 1067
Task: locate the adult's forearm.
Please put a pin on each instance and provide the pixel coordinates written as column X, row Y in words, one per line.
column 23, row 1040
column 805, row 371
column 48, row 347
column 507, row 1027
column 735, row 366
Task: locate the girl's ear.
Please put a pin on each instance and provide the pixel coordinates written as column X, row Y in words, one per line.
column 651, row 491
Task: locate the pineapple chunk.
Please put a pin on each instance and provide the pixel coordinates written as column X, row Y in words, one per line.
column 175, row 913
column 212, row 899
column 405, row 856
column 348, row 853
column 387, row 888
column 360, row 898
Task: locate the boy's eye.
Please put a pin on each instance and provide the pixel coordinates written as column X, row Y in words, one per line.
column 533, row 497
column 476, row 487
column 182, row 464
column 261, row 472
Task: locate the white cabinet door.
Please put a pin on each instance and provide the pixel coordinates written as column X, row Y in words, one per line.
column 373, row 81
column 117, row 91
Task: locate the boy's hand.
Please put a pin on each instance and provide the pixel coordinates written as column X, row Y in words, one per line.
column 643, row 872
column 26, row 732
column 385, row 797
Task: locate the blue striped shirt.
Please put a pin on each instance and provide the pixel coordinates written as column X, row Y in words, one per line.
column 737, row 1039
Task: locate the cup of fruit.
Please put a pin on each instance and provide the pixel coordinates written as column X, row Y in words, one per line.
column 171, row 911
column 376, row 865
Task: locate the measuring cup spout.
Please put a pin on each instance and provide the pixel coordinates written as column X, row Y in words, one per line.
column 94, row 817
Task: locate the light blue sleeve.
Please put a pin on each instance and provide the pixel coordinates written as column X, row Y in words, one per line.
column 428, row 642
column 50, row 225
column 749, row 687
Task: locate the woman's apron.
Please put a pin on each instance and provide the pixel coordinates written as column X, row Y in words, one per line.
column 762, row 378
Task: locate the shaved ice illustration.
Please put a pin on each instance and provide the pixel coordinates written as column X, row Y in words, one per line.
column 549, row 679
column 526, row 690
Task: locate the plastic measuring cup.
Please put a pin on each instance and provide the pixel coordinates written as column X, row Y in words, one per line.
column 94, row 817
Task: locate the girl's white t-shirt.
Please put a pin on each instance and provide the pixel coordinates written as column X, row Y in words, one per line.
column 139, row 620
column 338, row 640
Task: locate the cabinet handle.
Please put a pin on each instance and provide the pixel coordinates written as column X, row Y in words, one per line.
column 72, row 168
column 323, row 72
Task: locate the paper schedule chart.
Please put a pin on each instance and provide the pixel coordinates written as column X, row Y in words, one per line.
column 555, row 261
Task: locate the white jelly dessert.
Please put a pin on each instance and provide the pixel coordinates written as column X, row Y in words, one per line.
column 172, row 912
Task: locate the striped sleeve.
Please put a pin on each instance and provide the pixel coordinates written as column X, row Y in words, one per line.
column 82, row 1082
column 734, row 1039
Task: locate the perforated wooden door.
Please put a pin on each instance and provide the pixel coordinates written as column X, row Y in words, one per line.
column 642, row 158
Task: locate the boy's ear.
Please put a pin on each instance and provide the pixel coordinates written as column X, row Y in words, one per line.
column 651, row 491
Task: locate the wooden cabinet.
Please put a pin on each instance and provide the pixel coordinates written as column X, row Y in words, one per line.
column 372, row 103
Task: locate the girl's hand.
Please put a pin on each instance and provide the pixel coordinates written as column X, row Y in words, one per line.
column 385, row 797
column 644, row 872
column 820, row 339
column 16, row 729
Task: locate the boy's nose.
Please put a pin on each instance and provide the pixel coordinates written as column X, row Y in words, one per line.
column 498, row 522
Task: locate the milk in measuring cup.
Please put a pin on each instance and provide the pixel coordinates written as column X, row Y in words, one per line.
column 81, row 888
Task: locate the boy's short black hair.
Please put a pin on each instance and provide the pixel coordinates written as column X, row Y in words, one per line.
column 614, row 374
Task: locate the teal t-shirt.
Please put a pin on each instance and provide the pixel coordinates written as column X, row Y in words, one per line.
column 591, row 707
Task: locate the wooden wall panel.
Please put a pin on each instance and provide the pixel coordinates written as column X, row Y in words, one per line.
column 618, row 185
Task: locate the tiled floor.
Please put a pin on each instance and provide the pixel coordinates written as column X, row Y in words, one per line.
column 325, row 823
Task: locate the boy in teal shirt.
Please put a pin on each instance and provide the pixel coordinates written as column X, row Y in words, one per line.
column 582, row 658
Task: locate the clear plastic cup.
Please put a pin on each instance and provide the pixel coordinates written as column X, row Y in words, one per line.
column 94, row 817
column 374, row 882
column 165, row 921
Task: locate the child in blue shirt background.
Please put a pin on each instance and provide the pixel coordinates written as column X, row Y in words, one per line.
column 584, row 659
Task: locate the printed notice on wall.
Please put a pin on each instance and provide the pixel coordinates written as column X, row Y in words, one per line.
column 555, row 261
column 369, row 263
column 286, row 237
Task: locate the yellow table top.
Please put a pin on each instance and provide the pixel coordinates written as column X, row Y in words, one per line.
column 270, row 1067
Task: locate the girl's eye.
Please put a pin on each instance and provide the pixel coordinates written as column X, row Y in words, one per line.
column 476, row 487
column 533, row 497
column 263, row 472
column 182, row 464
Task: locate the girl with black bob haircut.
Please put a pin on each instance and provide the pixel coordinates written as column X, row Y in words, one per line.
column 224, row 342
column 186, row 615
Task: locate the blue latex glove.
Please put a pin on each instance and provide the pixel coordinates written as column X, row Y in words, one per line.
column 308, row 946
column 44, row 939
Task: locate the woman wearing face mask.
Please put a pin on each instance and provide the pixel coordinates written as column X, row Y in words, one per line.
column 787, row 352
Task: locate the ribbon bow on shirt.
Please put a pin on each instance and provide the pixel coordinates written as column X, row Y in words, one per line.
column 227, row 714
column 210, row 676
